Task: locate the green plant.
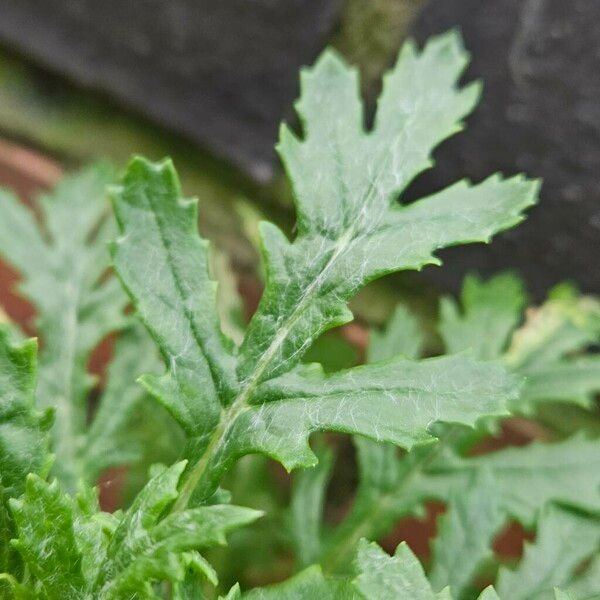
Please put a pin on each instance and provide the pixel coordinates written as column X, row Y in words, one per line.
column 258, row 397
column 551, row 485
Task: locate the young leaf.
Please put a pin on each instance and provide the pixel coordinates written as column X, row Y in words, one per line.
column 465, row 534
column 564, row 539
column 564, row 324
column 74, row 551
column 23, row 433
column 64, row 270
column 47, row 540
column 544, row 349
column 23, row 430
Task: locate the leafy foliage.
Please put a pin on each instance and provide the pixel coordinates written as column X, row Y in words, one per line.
column 415, row 421
column 63, row 260
column 74, row 551
column 378, row 575
column 23, row 433
column 483, row 492
column 350, row 230
column 546, row 349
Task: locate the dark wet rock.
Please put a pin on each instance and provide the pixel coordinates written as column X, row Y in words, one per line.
column 222, row 72
column 540, row 113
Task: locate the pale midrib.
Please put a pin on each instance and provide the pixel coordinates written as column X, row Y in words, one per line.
column 241, row 402
column 66, row 442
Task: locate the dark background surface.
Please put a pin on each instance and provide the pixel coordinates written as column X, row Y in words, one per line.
column 224, row 73
column 540, row 113
column 221, row 72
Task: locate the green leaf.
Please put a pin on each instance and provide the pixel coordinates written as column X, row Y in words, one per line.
column 560, row 595
column 576, row 380
column 527, row 477
column 402, row 336
column 346, row 182
column 306, row 507
column 394, row 401
column 586, row 585
column 398, row 577
column 564, row 324
column 23, row 433
column 351, row 229
column 308, row 584
column 564, row 539
column 23, row 439
column 111, row 440
column 74, row 551
column 465, row 534
column 173, row 293
column 545, row 350
column 384, row 491
column 47, row 541
column 490, row 312
column 391, row 577
column 64, row 269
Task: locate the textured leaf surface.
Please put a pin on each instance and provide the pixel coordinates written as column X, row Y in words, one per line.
column 564, row 539
column 346, row 182
column 163, row 264
column 74, row 551
column 391, row 577
column 465, row 534
column 63, row 268
column 47, row 540
column 23, row 443
column 394, row 401
column 23, row 432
